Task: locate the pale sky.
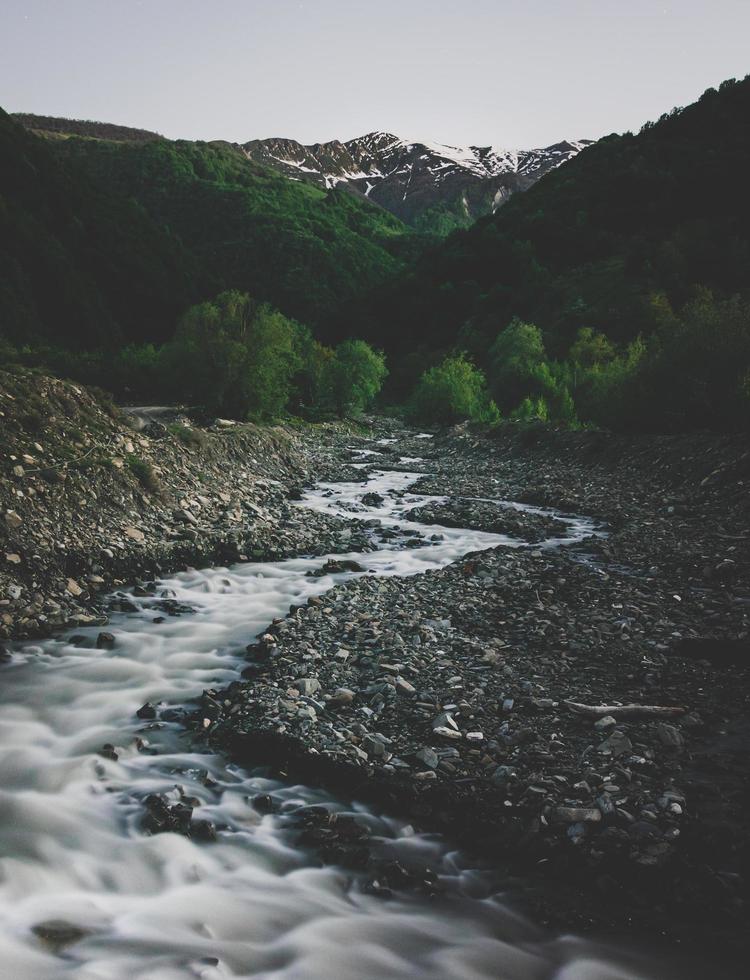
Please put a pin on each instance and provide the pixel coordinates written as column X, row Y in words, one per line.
column 515, row 73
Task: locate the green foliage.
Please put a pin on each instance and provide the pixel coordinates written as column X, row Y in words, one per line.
column 452, row 391
column 81, row 267
column 188, row 436
column 144, row 473
column 353, row 376
column 588, row 247
column 234, row 356
column 304, row 250
column 532, row 410
column 517, row 359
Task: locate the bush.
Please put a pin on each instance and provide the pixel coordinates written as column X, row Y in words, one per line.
column 234, row 356
column 451, row 392
column 144, row 473
column 353, row 376
column 187, row 435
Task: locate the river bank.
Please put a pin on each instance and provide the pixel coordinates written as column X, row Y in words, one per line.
column 479, row 594
column 462, row 697
column 92, row 500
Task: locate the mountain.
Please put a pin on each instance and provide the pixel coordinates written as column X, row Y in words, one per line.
column 48, row 125
column 81, row 266
column 643, row 239
column 110, row 240
column 664, row 209
column 430, row 186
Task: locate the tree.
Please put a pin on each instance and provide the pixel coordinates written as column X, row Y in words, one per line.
column 451, row 392
column 234, row 356
column 515, row 359
column 591, row 349
column 353, row 376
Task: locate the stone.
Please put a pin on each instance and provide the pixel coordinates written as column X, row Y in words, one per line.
column 444, row 720
column 134, row 533
column 146, row 711
column 73, row 588
column 670, row 736
column 618, row 743
column 13, row 519
column 105, row 641
column 605, row 724
column 428, row 756
column 404, row 687
column 58, row 933
column 307, row 685
column 577, row 814
column 373, row 746
column 343, row 695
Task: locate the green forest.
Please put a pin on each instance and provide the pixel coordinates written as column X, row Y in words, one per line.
column 616, row 291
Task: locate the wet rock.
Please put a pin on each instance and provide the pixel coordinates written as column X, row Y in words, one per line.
column 146, row 711
column 58, row 933
column 372, row 499
column 263, row 803
column 105, row 641
column 670, row 736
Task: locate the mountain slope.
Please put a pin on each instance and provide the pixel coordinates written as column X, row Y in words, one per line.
column 81, row 267
column 83, row 127
column 300, row 248
column 428, row 185
column 663, row 210
column 110, row 239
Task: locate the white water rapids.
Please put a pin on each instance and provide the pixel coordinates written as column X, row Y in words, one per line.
column 249, row 905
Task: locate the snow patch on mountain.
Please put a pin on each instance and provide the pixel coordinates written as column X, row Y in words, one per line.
column 413, row 177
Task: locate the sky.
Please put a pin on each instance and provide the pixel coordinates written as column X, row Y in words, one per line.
column 513, row 73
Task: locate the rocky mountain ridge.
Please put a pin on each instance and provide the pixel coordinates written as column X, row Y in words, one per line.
column 419, row 182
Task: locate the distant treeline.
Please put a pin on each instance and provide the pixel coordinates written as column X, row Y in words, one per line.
column 84, row 127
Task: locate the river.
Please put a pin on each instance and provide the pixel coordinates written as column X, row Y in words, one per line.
column 127, row 905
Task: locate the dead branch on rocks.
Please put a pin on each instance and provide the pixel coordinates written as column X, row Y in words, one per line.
column 624, row 710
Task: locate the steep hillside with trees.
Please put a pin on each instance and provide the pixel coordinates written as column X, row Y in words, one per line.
column 303, row 249
column 639, row 236
column 82, row 267
column 108, row 241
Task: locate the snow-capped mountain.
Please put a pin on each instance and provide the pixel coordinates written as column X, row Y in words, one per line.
column 421, row 183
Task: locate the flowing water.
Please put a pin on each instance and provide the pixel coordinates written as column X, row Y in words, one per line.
column 250, row 904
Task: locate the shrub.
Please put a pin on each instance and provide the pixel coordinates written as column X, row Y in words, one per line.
column 144, row 473
column 452, row 391
column 353, row 376
column 187, row 435
column 234, row 356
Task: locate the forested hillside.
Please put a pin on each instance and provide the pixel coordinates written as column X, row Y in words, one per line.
column 665, row 209
column 301, row 248
column 105, row 242
column 640, row 241
column 82, row 267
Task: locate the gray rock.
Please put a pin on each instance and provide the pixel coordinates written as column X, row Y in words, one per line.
column 577, row 814
column 307, row 685
column 428, row 756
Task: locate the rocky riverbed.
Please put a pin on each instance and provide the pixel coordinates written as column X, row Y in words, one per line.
column 93, row 498
column 534, row 642
column 575, row 714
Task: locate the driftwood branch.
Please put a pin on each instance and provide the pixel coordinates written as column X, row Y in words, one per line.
column 624, row 710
